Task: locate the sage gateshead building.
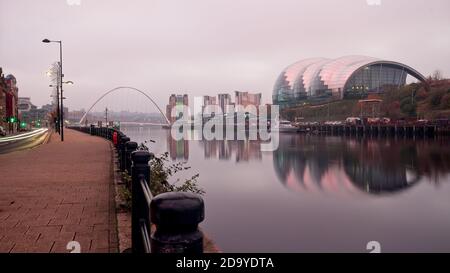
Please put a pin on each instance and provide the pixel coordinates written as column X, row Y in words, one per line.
column 350, row 77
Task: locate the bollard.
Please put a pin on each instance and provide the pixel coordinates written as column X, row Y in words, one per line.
column 130, row 147
column 139, row 206
column 119, row 143
column 176, row 216
column 124, row 140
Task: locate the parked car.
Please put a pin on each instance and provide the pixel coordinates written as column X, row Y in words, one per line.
column 2, row 131
column 334, row 122
column 422, row 121
column 353, row 121
column 373, row 120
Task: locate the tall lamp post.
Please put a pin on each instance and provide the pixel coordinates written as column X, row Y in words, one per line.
column 61, row 108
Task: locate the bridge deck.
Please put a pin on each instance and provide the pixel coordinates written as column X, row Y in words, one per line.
column 56, row 193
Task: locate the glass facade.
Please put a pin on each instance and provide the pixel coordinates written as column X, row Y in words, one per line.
column 320, row 79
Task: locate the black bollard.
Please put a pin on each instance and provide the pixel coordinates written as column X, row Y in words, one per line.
column 140, row 220
column 123, row 142
column 176, row 216
column 130, row 147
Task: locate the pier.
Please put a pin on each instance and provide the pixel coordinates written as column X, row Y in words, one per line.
column 378, row 130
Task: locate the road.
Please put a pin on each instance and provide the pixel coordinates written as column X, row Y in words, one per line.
column 23, row 141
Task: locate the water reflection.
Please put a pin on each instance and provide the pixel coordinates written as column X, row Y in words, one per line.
column 371, row 165
column 326, row 163
column 237, row 150
column 178, row 149
column 326, row 182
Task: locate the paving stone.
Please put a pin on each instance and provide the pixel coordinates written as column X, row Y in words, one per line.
column 56, row 193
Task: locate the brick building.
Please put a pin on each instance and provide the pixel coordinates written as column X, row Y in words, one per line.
column 3, row 90
column 9, row 98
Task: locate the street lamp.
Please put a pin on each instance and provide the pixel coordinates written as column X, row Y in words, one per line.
column 61, row 113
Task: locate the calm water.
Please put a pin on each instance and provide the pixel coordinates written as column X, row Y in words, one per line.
column 321, row 194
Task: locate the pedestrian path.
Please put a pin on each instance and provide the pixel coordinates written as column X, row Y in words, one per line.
column 56, row 193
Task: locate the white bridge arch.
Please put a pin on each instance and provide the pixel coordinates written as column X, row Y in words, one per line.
column 124, row 87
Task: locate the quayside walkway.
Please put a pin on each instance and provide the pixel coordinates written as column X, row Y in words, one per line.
column 56, row 193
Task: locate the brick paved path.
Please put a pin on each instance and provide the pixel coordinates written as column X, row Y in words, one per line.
column 56, row 193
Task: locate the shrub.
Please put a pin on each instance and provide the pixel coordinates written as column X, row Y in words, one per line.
column 162, row 169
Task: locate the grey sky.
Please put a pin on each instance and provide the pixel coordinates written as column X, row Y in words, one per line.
column 208, row 46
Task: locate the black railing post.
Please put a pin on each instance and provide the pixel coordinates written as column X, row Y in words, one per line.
column 130, row 147
column 119, row 138
column 139, row 207
column 123, row 142
column 176, row 216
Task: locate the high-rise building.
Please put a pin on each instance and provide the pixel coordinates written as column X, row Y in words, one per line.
column 174, row 101
column 208, row 100
column 224, row 101
column 246, row 98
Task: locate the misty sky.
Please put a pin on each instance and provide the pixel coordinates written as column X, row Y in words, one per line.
column 203, row 47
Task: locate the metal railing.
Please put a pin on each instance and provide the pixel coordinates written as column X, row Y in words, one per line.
column 175, row 215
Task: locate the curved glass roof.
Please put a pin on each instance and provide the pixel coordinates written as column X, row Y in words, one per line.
column 317, row 77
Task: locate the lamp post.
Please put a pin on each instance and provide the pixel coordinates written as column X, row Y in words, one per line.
column 61, row 110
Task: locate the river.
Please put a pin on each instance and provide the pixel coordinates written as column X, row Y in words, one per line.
column 318, row 193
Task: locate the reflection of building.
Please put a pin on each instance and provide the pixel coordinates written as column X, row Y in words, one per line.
column 246, row 98
column 243, row 150
column 320, row 79
column 210, row 148
column 224, row 150
column 339, row 165
column 177, row 149
column 175, row 101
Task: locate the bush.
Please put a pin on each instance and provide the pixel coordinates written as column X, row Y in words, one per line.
column 436, row 99
column 162, row 169
column 445, row 102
